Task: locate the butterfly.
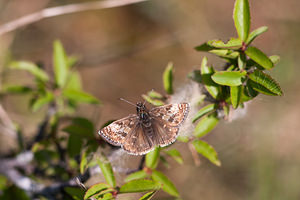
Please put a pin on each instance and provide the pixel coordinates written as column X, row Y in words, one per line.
column 140, row 133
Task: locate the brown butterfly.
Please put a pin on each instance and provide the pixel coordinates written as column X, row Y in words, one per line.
column 140, row 133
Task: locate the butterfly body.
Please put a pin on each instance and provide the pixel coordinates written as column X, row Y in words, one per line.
column 142, row 132
column 143, row 114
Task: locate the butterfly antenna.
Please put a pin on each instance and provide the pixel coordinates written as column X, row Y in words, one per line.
column 144, row 102
column 128, row 102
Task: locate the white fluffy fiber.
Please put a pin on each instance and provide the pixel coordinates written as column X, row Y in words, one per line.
column 189, row 93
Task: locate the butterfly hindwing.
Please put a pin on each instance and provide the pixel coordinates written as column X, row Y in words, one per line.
column 137, row 142
column 164, row 133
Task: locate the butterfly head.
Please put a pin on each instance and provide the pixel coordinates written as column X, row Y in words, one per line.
column 142, row 111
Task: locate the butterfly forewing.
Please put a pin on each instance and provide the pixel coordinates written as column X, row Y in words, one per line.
column 171, row 114
column 116, row 132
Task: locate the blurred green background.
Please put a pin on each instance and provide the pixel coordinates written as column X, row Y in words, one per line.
column 123, row 52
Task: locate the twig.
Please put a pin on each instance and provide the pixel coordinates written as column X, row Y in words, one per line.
column 61, row 10
column 194, row 153
column 9, row 167
column 8, row 131
column 8, row 126
column 55, row 188
column 41, row 132
column 142, row 162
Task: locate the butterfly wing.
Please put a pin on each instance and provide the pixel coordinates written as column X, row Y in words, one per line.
column 137, row 142
column 166, row 121
column 132, row 136
column 164, row 133
column 116, row 132
column 171, row 114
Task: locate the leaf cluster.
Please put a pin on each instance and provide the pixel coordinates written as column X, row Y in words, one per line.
column 64, row 90
column 148, row 179
column 56, row 155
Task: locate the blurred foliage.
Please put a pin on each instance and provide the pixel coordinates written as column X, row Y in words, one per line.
column 243, row 77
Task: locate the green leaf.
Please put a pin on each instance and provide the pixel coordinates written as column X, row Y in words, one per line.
column 225, row 53
column 3, row 182
column 154, row 102
column 44, row 156
column 73, row 164
column 164, row 161
column 203, row 111
column 248, row 93
column 74, row 145
column 39, row 145
column 204, row 47
column 242, row 61
column 266, row 81
column 139, row 185
column 207, row 151
column 167, row 185
column 20, row 138
column 41, row 101
column 205, row 125
column 148, row 195
column 80, row 96
column 107, row 196
column 206, row 72
column 259, row 57
column 40, row 86
column 80, row 127
column 235, row 95
column 231, row 68
column 256, row 33
column 275, row 59
column 74, row 81
column 107, row 171
column 83, row 162
column 168, row 78
column 241, row 17
column 136, row 175
column 60, row 62
column 13, row 192
column 75, row 192
column 71, row 61
column 261, row 89
column 93, row 190
column 195, row 76
column 229, row 78
column 226, row 109
column 183, row 138
column 155, row 95
column 104, row 194
column 152, row 158
column 31, row 68
column 233, row 43
column 175, row 154
column 16, row 89
column 87, row 155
